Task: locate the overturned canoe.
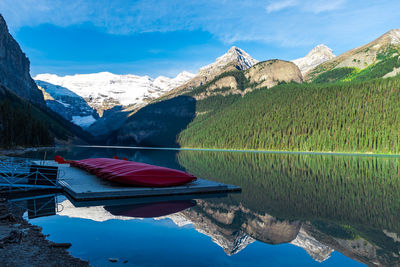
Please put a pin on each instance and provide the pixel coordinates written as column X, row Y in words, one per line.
column 134, row 173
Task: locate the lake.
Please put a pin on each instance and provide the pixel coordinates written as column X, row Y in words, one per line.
column 294, row 210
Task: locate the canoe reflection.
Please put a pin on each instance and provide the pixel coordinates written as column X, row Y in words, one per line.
column 150, row 210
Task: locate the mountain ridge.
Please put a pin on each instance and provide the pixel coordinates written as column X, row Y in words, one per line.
column 362, row 57
column 104, row 90
column 318, row 55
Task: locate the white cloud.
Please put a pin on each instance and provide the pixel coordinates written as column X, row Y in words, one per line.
column 280, row 5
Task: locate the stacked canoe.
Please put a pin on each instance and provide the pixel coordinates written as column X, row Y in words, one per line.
column 133, row 173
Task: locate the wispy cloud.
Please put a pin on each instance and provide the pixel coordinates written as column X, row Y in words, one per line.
column 323, row 6
column 313, row 6
column 282, row 22
column 275, row 6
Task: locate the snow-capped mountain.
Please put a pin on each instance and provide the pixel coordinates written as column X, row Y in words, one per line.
column 168, row 84
column 316, row 56
column 240, row 58
column 234, row 59
column 104, row 90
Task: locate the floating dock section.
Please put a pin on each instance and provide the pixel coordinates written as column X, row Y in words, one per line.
column 83, row 186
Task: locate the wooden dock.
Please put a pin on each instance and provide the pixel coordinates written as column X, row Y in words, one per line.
column 83, row 186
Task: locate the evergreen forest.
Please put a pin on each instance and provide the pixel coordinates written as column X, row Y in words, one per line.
column 342, row 117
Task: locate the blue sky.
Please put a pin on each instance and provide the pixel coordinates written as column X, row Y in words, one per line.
column 166, row 37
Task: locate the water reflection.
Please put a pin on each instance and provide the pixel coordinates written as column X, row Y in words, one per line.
column 349, row 204
column 319, row 203
column 150, row 210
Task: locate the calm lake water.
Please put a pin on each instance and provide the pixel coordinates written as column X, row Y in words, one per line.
column 294, row 210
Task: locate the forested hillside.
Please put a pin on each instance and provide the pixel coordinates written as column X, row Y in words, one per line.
column 348, row 117
column 24, row 124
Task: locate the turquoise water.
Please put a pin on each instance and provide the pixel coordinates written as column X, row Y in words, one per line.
column 294, row 210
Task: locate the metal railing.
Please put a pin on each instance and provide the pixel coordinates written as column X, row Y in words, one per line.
column 25, row 174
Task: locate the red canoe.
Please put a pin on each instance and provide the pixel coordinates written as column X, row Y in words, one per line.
column 134, row 173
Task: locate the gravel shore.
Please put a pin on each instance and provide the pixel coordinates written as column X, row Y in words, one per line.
column 23, row 244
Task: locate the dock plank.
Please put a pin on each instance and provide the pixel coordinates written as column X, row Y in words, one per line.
column 81, row 185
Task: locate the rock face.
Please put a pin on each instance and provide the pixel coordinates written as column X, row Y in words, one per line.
column 234, row 59
column 318, row 55
column 14, row 68
column 224, row 86
column 270, row 73
column 86, row 96
column 361, row 57
column 226, row 82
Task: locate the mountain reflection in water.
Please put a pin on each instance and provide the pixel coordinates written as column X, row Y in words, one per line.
column 345, row 203
column 320, row 203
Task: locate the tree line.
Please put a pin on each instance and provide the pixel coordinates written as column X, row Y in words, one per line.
column 347, row 117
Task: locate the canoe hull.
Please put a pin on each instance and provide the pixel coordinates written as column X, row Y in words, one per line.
column 134, row 173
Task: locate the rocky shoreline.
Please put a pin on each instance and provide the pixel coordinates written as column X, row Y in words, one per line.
column 23, row 244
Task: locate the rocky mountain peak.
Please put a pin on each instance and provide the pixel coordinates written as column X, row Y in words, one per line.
column 235, row 56
column 394, row 36
column 234, row 59
column 321, row 49
column 318, row 55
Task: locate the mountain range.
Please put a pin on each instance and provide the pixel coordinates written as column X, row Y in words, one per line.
column 104, row 91
column 197, row 110
column 83, row 98
column 315, row 112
